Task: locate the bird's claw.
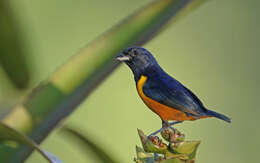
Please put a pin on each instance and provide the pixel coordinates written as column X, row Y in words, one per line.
column 165, row 126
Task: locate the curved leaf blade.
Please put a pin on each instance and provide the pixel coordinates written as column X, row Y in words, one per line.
column 87, row 143
column 10, row 134
column 12, row 52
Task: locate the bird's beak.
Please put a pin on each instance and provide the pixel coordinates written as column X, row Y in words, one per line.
column 122, row 58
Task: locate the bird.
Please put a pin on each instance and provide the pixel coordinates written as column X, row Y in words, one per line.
column 163, row 94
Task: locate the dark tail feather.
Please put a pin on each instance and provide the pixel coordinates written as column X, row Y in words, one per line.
column 218, row 115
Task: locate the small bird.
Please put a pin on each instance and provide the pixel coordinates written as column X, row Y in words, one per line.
column 163, row 94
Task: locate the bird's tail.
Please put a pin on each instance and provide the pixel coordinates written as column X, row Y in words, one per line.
column 218, row 115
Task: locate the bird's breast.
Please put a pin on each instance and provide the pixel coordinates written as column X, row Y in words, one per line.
column 165, row 112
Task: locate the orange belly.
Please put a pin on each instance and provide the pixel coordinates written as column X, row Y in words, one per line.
column 166, row 113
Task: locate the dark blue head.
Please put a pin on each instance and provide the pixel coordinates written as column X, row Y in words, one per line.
column 139, row 60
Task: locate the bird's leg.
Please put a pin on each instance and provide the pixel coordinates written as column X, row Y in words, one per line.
column 170, row 125
column 173, row 123
column 156, row 132
column 165, row 125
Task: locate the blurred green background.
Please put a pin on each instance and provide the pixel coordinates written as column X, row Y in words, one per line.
column 214, row 51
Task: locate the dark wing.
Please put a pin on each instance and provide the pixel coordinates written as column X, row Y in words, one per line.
column 172, row 93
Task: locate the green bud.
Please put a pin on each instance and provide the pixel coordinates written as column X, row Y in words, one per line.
column 172, row 136
column 153, row 145
column 177, row 150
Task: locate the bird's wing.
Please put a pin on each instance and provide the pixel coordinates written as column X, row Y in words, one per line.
column 170, row 92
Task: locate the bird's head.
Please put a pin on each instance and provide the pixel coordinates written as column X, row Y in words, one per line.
column 138, row 59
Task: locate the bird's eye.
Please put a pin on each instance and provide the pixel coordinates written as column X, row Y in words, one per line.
column 134, row 52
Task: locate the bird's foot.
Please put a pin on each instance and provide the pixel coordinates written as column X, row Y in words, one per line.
column 156, row 132
column 165, row 125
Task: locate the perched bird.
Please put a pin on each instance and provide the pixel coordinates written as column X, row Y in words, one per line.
column 163, row 94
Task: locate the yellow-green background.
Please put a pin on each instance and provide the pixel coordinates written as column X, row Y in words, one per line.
column 214, row 51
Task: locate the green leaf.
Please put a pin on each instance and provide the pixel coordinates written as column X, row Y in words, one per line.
column 87, row 143
column 9, row 134
column 12, row 51
column 144, row 157
column 187, row 147
column 141, row 154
